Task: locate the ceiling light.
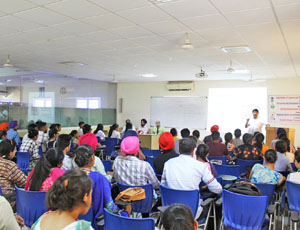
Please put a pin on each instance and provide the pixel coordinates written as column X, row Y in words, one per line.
column 72, row 63
column 39, row 81
column 1, row 83
column 162, row 1
column 236, row 49
column 149, row 75
column 8, row 80
column 187, row 44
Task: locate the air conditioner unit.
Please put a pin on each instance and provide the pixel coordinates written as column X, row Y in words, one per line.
column 180, row 85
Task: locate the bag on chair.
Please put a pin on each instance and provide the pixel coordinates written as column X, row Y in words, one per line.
column 132, row 194
column 245, row 187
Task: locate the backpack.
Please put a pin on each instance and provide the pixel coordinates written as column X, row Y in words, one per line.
column 245, row 187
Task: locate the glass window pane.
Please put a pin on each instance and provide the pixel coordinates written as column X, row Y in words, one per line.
column 82, row 104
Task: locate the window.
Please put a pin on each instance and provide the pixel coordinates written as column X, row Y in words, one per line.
column 42, row 102
column 88, row 103
column 82, row 104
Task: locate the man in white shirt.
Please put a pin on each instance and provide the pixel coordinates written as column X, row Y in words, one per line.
column 254, row 124
column 143, row 129
column 186, row 173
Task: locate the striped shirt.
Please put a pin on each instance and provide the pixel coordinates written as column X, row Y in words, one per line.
column 31, row 146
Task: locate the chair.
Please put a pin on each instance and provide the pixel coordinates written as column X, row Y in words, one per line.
column 30, row 205
column 143, row 206
column 23, row 160
column 0, row 191
column 150, row 152
column 242, row 211
column 267, row 190
column 110, row 144
column 72, row 147
column 216, row 159
column 107, row 165
column 150, row 160
column 98, row 139
column 113, row 222
column 40, row 150
column 293, row 190
column 246, row 165
column 233, row 170
column 88, row 216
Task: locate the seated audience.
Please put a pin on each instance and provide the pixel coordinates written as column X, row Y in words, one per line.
column 114, row 131
column 288, row 152
column 69, row 197
column 279, row 133
column 46, row 171
column 174, row 133
column 129, row 127
column 88, row 137
column 295, row 176
column 184, row 134
column 80, row 131
column 31, row 145
column 186, row 173
column 178, row 217
column 216, row 148
column 158, row 129
column 229, row 141
column 266, row 174
column 196, row 134
column 30, row 126
column 4, row 126
column 283, row 162
column 75, row 136
column 259, row 143
column 54, row 126
column 166, row 143
column 53, row 135
column 207, row 139
column 132, row 133
column 237, row 138
column 63, row 144
column 10, row 174
column 101, row 193
column 143, row 129
column 43, row 136
column 8, row 221
column 202, row 154
column 12, row 133
column 126, row 122
column 99, row 132
column 3, row 135
column 247, row 151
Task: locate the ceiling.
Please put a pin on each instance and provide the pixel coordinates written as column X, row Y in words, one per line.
column 126, row 38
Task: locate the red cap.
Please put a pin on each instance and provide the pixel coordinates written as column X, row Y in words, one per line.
column 166, row 141
column 214, row 128
column 4, row 126
column 88, row 139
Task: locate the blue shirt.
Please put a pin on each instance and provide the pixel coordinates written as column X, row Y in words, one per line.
column 13, row 135
column 282, row 163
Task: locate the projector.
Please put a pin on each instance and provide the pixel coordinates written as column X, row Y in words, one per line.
column 202, row 74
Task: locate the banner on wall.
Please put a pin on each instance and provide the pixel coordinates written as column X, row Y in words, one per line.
column 284, row 109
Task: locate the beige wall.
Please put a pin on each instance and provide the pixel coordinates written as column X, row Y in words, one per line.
column 137, row 96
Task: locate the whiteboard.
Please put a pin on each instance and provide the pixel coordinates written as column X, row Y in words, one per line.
column 179, row 112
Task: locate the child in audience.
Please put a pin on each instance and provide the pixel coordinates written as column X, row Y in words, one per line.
column 69, row 197
column 53, row 135
column 237, row 138
column 202, row 154
column 113, row 131
column 31, row 145
column 99, row 132
column 229, row 142
column 46, row 171
column 295, row 176
column 266, row 174
column 174, row 133
column 75, row 136
column 259, row 143
column 178, row 217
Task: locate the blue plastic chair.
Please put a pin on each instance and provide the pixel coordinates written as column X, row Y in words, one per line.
column 72, row 147
column 267, row 190
column 233, row 170
column 0, row 191
column 293, row 190
column 107, row 165
column 246, row 165
column 30, row 205
column 113, row 222
column 23, row 160
column 294, row 167
column 143, row 206
column 98, row 139
column 242, row 211
column 150, row 152
column 110, row 144
column 215, row 158
column 40, row 150
column 88, row 216
column 150, row 160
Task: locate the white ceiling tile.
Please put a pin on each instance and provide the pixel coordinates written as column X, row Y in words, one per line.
column 76, row 8
column 75, row 27
column 7, row 30
column 288, row 12
column 206, row 22
column 166, row 27
column 124, row 43
column 13, row 6
column 108, row 21
column 131, row 32
column 150, row 41
column 43, row 2
column 45, row 33
column 114, row 5
column 2, row 13
column 59, row 43
column 233, row 5
column 100, row 36
column 284, row 2
column 43, row 16
column 17, row 23
column 10, row 40
column 145, row 15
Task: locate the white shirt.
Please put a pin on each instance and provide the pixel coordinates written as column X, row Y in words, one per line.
column 255, row 125
column 123, row 130
column 143, row 130
column 43, row 140
column 67, row 163
column 186, row 173
column 80, row 132
column 25, row 137
column 116, row 134
column 101, row 134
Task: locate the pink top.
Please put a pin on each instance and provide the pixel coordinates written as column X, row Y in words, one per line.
column 47, row 184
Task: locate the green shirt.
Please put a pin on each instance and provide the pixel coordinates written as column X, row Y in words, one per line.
column 160, row 130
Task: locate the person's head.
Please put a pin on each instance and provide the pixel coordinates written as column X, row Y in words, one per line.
column 143, row 122
column 4, row 126
column 42, row 126
column 178, row 217
column 166, row 141
column 81, row 124
column 270, row 156
column 112, row 128
column 8, row 149
column 13, row 125
column 32, row 126
column 33, row 134
column 259, row 140
column 130, row 146
column 127, row 121
column 196, row 134
column 128, row 126
column 237, row 133
column 202, row 152
column 3, row 135
column 255, row 113
column 63, row 142
column 53, row 126
column 280, row 131
column 53, row 133
column 86, row 128
column 84, row 156
column 174, row 133
column 73, row 190
column 99, row 127
column 287, row 143
column 214, row 128
column 185, row 132
column 297, row 159
column 282, row 135
column 74, row 133
column 53, row 158
column 187, row 146
column 228, row 138
column 280, row 146
column 215, row 136
column 58, row 126
column 247, row 139
column 157, row 124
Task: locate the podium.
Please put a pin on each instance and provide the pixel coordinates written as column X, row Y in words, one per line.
column 149, row 141
column 271, row 134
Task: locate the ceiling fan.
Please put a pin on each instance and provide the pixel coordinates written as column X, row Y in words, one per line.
column 251, row 80
column 231, row 70
column 7, row 63
column 114, row 80
column 187, row 44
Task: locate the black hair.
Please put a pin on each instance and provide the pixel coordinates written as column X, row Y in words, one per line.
column 53, row 126
column 196, row 133
column 41, row 124
column 68, row 190
column 3, row 134
column 247, row 139
column 80, row 123
column 297, row 156
column 228, row 138
column 280, row 131
column 215, row 136
column 144, row 120
column 288, row 143
column 173, row 131
column 73, row 133
column 270, row 156
column 237, row 133
column 86, row 128
column 32, row 133
column 193, row 138
column 31, row 126
column 51, row 159
column 281, row 135
column 112, row 128
column 6, row 147
column 185, row 132
column 99, row 127
column 52, row 132
column 58, row 125
column 259, row 140
column 83, row 155
column 280, row 147
column 255, row 111
column 178, row 217
column 63, row 141
column 128, row 126
column 186, row 146
column 202, row 151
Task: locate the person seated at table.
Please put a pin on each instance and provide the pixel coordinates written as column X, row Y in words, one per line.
column 202, row 154
column 216, row 148
column 295, row 176
column 247, row 151
column 259, row 143
column 126, row 122
column 53, row 135
column 129, row 127
column 237, row 138
column 266, row 174
column 114, row 131
column 207, row 139
column 229, row 142
column 178, row 217
column 69, row 197
column 283, row 162
column 158, row 129
column 143, row 129
column 99, row 132
column 166, row 143
column 31, row 145
column 46, row 171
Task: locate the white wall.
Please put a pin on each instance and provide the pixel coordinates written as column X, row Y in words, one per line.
column 137, row 96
